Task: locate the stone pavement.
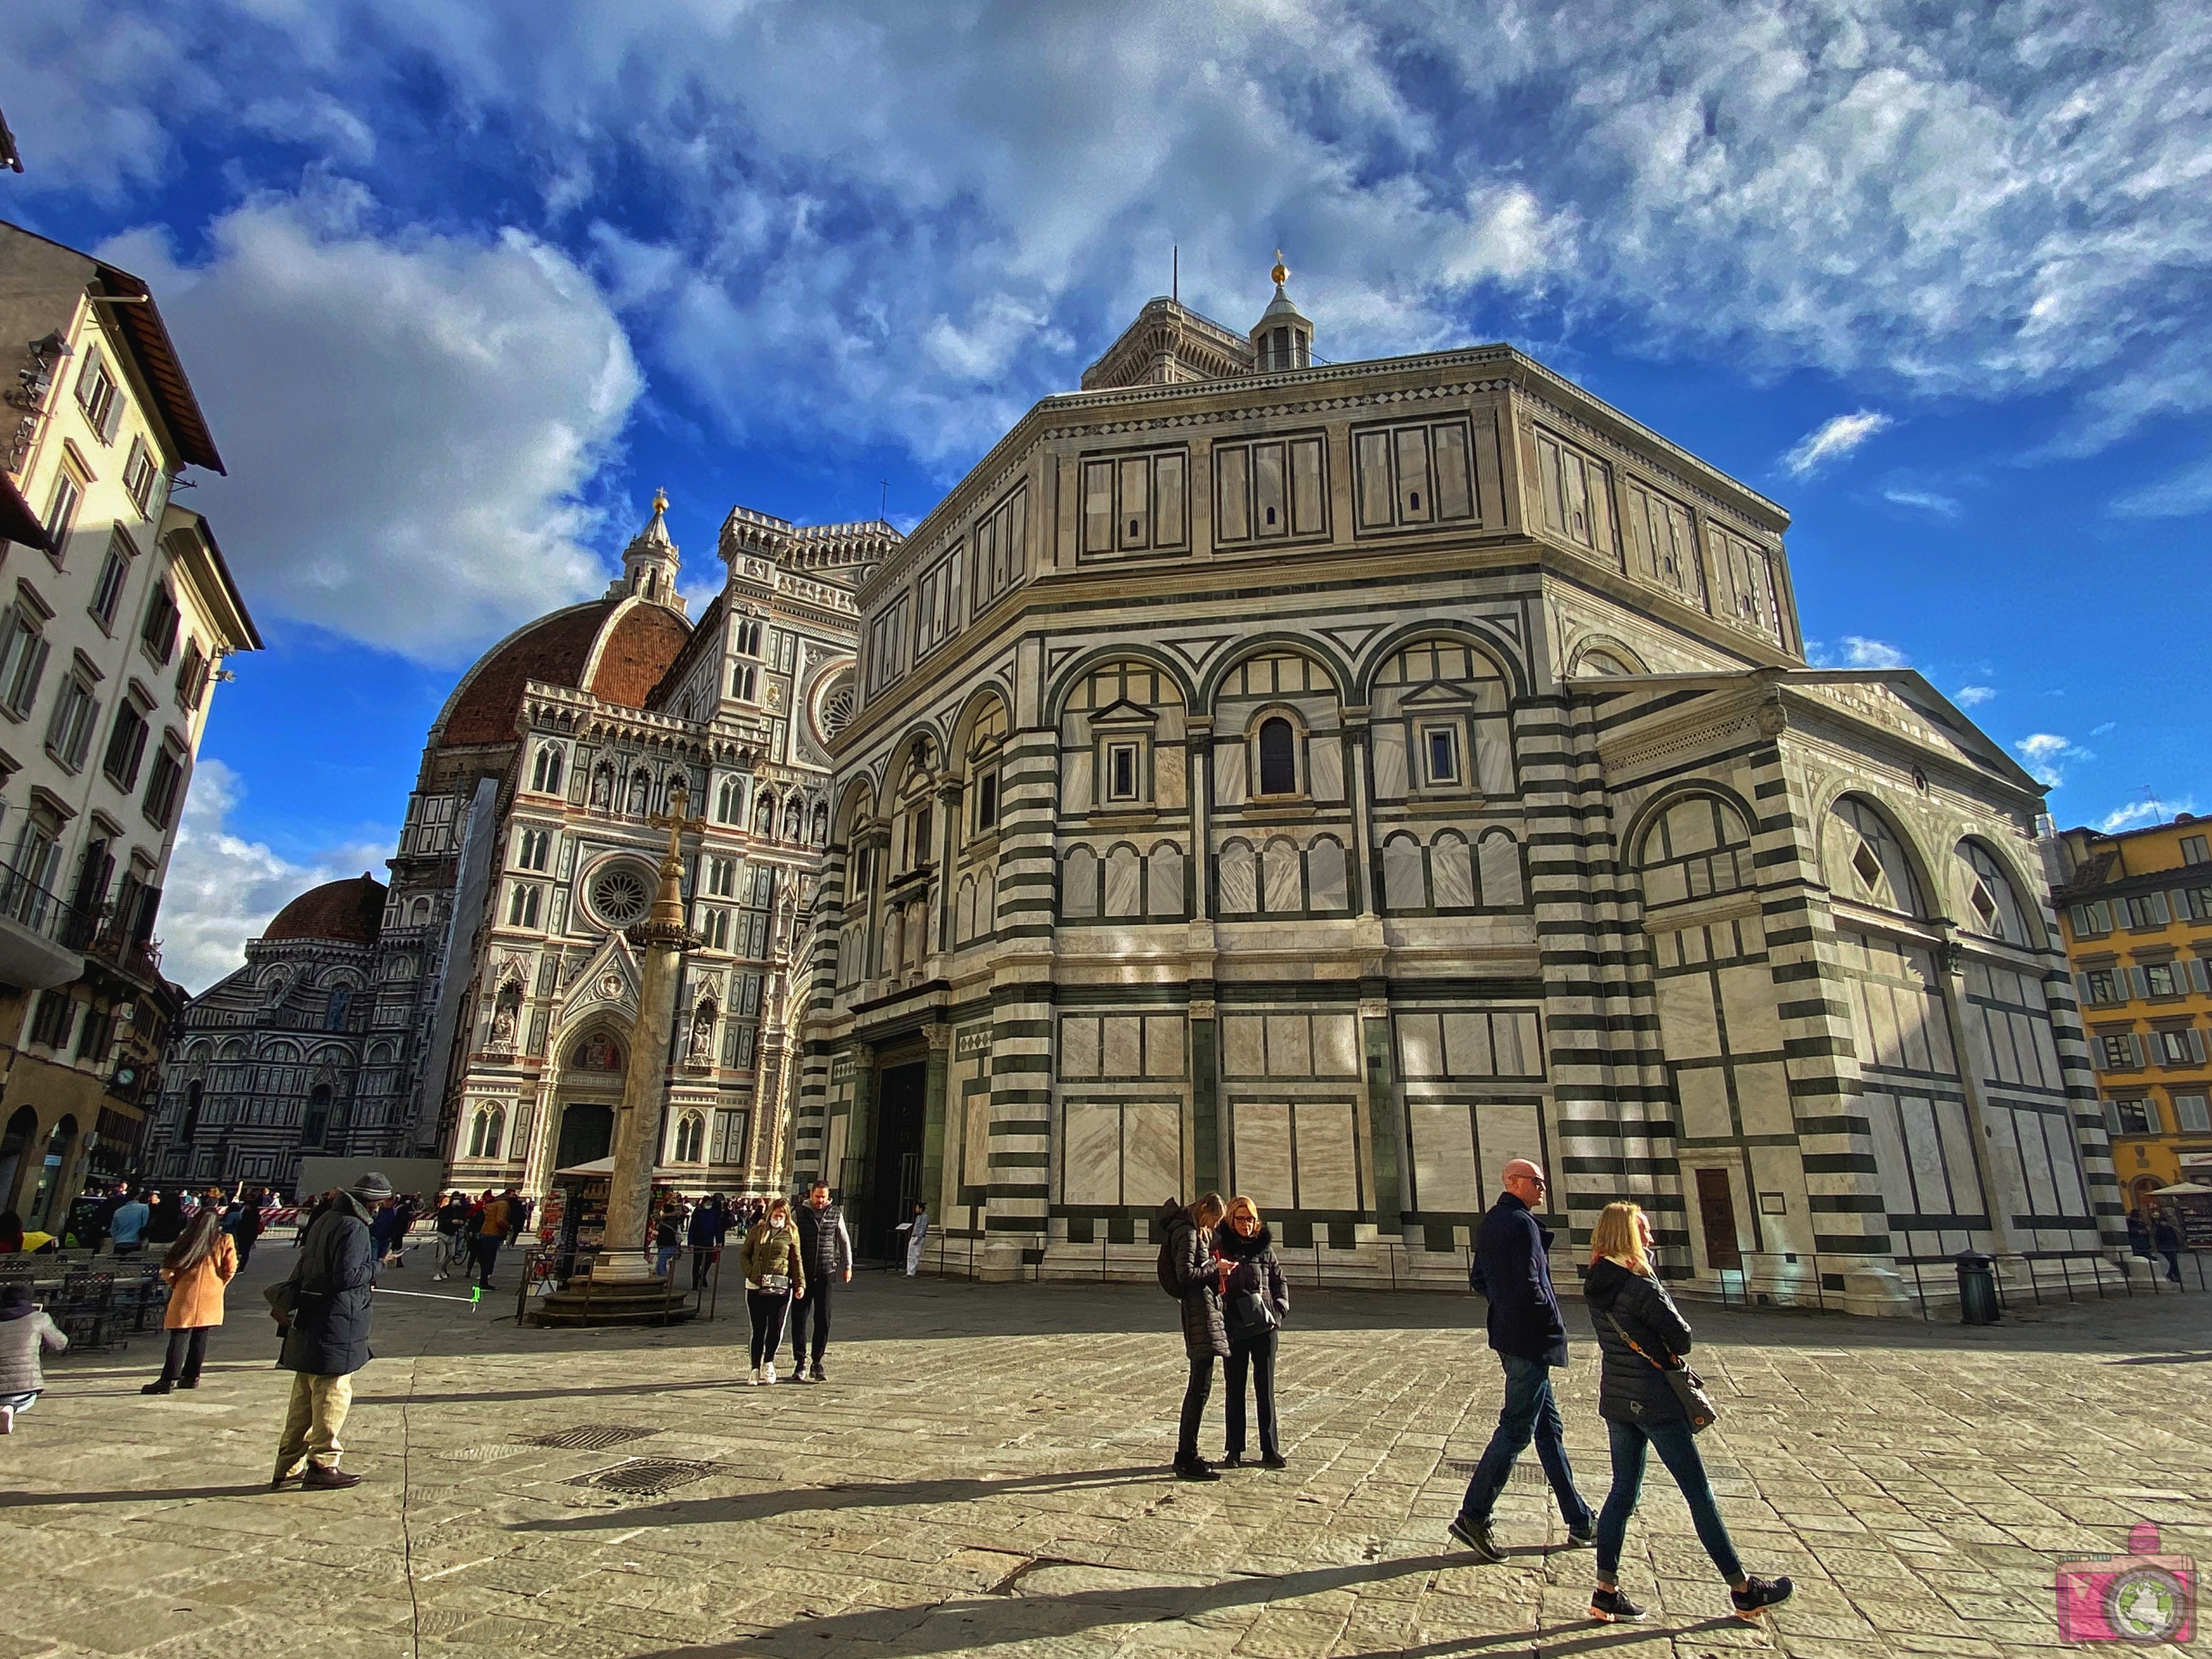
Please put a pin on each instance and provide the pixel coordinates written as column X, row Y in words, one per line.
column 984, row 1474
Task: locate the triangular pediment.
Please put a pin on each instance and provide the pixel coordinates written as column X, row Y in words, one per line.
column 1122, row 712
column 607, row 983
column 1436, row 694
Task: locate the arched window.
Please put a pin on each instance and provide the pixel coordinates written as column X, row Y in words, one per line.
column 1078, row 883
column 193, row 1094
column 691, row 1139
column 418, row 913
column 1867, row 861
column 1163, row 894
column 1279, row 758
column 1240, row 879
column 1125, row 881
column 730, row 801
column 1405, row 879
column 1284, row 888
column 485, row 1131
column 1698, row 846
column 545, row 775
column 1451, row 871
column 1498, row 858
column 334, row 1012
column 1326, row 883
column 1993, row 906
column 1440, row 723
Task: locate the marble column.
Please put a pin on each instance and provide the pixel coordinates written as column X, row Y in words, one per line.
column 662, row 938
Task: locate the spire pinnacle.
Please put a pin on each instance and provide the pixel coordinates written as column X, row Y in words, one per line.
column 1281, row 273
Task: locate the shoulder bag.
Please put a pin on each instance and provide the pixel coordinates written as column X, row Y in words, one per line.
column 1689, row 1387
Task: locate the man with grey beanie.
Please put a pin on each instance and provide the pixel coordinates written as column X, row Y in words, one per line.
column 322, row 1310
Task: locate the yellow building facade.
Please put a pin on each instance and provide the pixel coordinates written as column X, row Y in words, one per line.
column 2136, row 908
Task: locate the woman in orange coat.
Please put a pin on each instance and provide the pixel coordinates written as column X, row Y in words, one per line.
column 197, row 1267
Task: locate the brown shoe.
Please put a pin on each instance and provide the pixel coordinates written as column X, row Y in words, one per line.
column 320, row 1478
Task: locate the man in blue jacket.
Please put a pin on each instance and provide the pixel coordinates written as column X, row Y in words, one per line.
column 1512, row 1270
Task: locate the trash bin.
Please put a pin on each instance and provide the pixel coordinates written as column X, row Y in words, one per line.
column 1977, row 1288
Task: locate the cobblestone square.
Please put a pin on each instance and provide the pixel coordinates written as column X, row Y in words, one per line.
column 985, row 1472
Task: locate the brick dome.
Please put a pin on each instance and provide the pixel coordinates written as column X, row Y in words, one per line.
column 349, row 911
column 623, row 662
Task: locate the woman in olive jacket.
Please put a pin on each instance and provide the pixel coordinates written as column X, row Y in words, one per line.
column 776, row 1273
column 1633, row 1311
column 1205, row 1338
column 1255, row 1299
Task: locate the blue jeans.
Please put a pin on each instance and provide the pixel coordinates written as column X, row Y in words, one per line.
column 1530, row 1411
column 1677, row 1450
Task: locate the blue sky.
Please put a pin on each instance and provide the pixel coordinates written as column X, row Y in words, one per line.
column 459, row 286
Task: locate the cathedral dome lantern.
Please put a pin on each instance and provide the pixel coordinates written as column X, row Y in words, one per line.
column 650, row 562
column 1283, row 338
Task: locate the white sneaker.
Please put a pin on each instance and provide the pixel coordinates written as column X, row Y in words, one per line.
column 767, row 1373
column 753, row 1381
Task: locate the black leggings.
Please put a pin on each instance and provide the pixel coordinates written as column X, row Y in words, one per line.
column 187, row 1349
column 1258, row 1353
column 769, row 1313
column 1194, row 1397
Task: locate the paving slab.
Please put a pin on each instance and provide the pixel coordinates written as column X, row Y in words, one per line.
column 986, row 1473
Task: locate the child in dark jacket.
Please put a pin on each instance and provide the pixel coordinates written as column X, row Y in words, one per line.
column 1643, row 1336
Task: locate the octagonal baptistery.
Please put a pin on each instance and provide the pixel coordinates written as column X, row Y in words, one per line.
column 1328, row 782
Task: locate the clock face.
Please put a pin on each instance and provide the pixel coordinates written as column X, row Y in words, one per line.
column 2147, row 1604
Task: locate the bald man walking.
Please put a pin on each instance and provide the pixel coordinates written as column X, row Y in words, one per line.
column 1512, row 1270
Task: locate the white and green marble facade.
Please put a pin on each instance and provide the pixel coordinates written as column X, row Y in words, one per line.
column 1328, row 784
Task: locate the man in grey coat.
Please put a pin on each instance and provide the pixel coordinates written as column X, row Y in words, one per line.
column 326, row 1336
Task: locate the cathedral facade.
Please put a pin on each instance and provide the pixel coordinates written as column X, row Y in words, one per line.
column 1327, row 782
column 483, row 1011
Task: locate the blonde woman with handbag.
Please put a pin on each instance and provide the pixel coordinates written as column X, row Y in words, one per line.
column 774, row 1273
column 1651, row 1401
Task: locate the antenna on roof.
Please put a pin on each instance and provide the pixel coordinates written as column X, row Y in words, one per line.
column 1175, row 272
column 882, row 502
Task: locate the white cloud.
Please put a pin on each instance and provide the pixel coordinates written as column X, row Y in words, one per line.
column 409, row 420
column 1924, row 500
column 221, row 889
column 1973, row 696
column 893, row 221
column 1862, row 653
column 2099, row 731
column 1832, row 440
column 2046, row 754
column 2147, row 810
column 2184, row 496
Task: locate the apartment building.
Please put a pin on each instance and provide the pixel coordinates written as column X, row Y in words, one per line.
column 116, row 613
column 2137, row 910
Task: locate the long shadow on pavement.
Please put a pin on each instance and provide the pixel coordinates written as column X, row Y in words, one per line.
column 981, row 1622
column 794, row 1500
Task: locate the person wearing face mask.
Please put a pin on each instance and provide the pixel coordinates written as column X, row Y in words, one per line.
column 1643, row 1335
column 1255, row 1300
column 776, row 1273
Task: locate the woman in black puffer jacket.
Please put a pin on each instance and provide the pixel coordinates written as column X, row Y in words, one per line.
column 1204, row 1339
column 1255, row 1301
column 1632, row 1310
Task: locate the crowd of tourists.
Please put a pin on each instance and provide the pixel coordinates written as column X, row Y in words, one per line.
column 1217, row 1258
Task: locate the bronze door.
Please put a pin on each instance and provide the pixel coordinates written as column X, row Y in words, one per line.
column 1717, row 1209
